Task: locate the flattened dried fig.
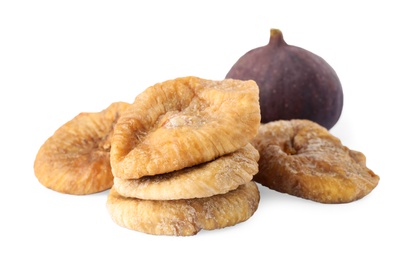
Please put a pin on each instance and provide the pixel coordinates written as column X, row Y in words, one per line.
column 184, row 217
column 303, row 159
column 204, row 180
column 75, row 159
column 183, row 122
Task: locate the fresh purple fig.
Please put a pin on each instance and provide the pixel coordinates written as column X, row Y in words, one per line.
column 293, row 83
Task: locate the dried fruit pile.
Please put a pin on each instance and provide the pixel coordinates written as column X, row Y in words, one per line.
column 186, row 154
column 182, row 160
column 179, row 156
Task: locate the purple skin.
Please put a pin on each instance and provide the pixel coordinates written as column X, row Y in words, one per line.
column 293, row 82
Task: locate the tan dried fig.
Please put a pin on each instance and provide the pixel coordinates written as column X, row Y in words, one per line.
column 204, row 180
column 183, row 122
column 302, row 158
column 75, row 159
column 184, row 217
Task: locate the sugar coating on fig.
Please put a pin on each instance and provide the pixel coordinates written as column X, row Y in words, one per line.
column 294, row 83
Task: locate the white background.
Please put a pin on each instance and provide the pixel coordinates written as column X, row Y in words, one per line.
column 59, row 58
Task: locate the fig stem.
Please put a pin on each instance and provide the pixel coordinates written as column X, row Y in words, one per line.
column 276, row 37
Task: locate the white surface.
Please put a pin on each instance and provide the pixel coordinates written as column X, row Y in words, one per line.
column 59, row 58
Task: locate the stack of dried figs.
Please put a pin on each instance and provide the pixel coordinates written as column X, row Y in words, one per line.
column 185, row 155
column 179, row 155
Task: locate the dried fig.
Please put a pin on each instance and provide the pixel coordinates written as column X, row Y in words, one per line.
column 184, row 217
column 293, row 83
column 75, row 159
column 218, row 176
column 183, row 122
column 302, row 158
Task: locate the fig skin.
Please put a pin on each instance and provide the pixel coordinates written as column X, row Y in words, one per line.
column 293, row 83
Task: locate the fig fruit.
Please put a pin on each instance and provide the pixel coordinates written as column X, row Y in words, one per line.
column 294, row 83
